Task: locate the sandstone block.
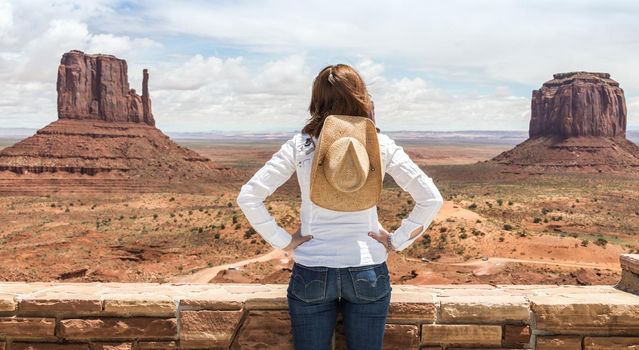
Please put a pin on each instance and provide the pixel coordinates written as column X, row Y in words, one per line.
column 142, row 328
column 411, row 307
column 157, row 345
column 206, row 329
column 112, row 346
column 611, row 343
column 602, row 314
column 7, row 302
column 629, row 282
column 516, row 335
column 558, row 342
column 456, row 334
column 483, row 309
column 31, row 326
column 396, row 336
column 401, row 336
column 51, row 305
column 265, row 330
column 146, row 304
column 48, row 346
column 630, row 262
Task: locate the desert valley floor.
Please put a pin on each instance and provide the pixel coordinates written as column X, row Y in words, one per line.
column 563, row 228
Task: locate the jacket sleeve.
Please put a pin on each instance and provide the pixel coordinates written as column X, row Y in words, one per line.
column 263, row 183
column 411, row 178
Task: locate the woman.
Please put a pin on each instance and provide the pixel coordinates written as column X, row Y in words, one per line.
column 339, row 255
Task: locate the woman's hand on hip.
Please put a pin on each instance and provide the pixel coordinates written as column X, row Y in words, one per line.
column 382, row 237
column 297, row 240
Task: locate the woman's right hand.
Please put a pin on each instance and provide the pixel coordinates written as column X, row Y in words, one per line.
column 297, row 240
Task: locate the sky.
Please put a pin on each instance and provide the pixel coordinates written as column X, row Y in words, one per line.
column 249, row 65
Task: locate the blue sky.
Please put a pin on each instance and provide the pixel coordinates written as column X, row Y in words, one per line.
column 248, row 65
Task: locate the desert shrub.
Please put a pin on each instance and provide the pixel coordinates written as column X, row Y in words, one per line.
column 500, row 201
column 425, row 241
column 472, row 206
column 501, row 239
column 171, row 199
column 546, row 220
column 155, row 216
column 545, row 211
column 248, row 233
column 234, row 219
column 510, row 202
column 238, row 226
column 584, row 242
column 217, row 236
column 222, row 226
column 443, row 229
column 463, row 235
column 601, row 242
column 508, row 227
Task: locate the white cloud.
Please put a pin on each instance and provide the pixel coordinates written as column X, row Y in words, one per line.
column 458, row 64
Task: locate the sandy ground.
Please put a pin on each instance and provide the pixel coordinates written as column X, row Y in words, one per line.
column 554, row 229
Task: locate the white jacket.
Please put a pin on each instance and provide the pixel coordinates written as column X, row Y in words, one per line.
column 340, row 239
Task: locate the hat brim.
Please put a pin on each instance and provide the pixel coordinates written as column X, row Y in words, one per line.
column 322, row 193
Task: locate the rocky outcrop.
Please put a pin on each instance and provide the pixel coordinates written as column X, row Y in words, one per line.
column 105, row 135
column 96, row 87
column 578, row 104
column 578, row 121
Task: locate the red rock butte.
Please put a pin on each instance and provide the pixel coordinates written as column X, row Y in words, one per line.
column 578, row 121
column 105, row 138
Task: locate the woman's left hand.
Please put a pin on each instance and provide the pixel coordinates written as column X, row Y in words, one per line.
column 381, row 237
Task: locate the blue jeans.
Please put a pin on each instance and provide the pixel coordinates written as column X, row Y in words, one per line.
column 316, row 293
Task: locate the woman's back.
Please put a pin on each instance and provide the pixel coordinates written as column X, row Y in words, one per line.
column 340, row 239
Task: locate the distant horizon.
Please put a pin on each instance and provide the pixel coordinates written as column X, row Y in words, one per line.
column 27, row 130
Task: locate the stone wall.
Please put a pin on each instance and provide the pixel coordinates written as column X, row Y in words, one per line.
column 38, row 316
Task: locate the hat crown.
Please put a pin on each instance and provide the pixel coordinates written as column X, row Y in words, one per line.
column 347, row 164
column 346, row 172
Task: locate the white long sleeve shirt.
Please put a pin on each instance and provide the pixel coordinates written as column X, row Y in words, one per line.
column 340, row 239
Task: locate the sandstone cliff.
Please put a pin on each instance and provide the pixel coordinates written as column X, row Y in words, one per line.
column 578, row 121
column 578, row 104
column 96, row 87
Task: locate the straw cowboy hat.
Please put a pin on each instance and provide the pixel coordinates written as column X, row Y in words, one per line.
column 347, row 169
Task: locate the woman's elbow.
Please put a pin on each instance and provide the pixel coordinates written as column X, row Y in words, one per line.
column 243, row 198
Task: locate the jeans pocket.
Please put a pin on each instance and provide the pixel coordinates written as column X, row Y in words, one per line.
column 371, row 282
column 308, row 283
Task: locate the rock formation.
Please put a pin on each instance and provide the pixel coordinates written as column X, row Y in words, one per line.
column 96, row 87
column 578, row 104
column 104, row 129
column 578, row 120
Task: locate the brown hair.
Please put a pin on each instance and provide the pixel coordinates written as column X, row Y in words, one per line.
column 338, row 90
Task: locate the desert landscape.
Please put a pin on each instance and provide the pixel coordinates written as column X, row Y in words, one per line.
column 101, row 194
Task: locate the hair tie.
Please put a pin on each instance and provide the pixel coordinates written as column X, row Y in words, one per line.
column 331, row 77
